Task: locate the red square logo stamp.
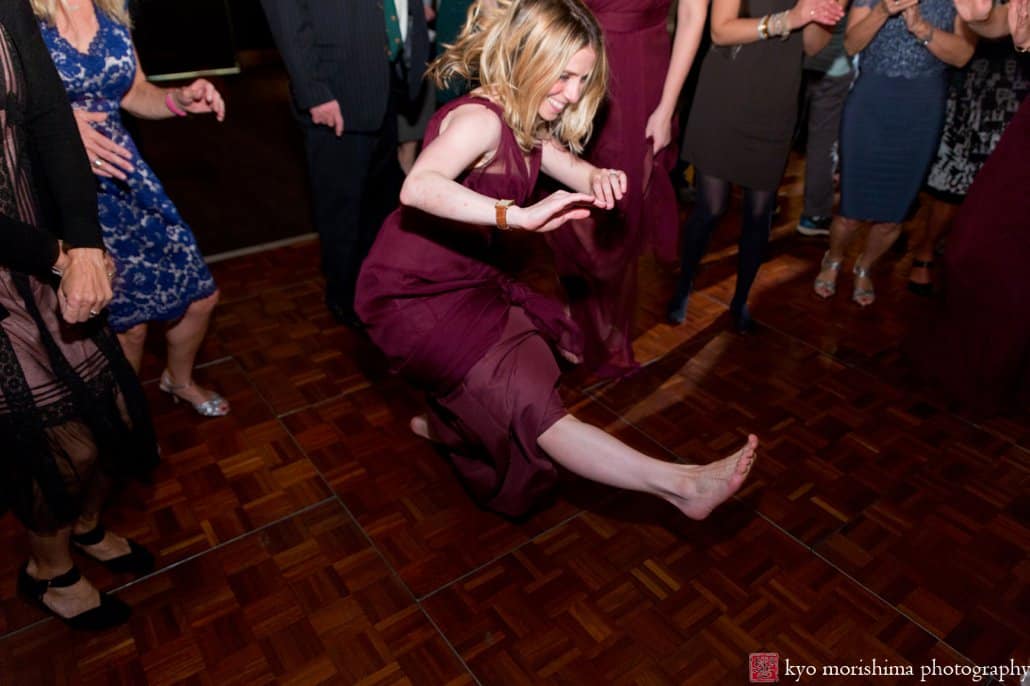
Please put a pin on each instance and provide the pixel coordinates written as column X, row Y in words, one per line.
column 764, row 668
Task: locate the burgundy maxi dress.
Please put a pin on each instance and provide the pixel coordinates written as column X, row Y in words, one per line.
column 475, row 340
column 597, row 257
column 977, row 347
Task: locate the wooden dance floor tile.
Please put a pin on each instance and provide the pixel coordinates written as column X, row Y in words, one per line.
column 303, row 601
column 245, row 277
column 292, row 350
column 404, row 493
column 638, row 594
column 218, row 479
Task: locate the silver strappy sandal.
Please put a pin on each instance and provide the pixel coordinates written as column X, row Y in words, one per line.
column 825, row 288
column 215, row 406
column 862, row 296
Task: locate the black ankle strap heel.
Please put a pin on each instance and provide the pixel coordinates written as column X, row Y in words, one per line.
column 138, row 561
column 111, row 612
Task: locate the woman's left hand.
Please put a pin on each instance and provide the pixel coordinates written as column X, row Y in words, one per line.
column 607, row 185
column 914, row 20
column 200, row 97
column 659, row 130
column 1019, row 23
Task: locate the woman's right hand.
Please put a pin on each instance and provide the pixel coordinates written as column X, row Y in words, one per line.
column 85, row 287
column 825, row 12
column 106, row 158
column 894, row 7
column 551, row 212
column 972, row 11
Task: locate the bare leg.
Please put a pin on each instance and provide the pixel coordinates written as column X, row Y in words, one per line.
column 594, row 454
column 184, row 339
column 881, row 238
column 842, row 232
column 49, row 556
column 132, row 341
column 938, row 223
column 112, row 545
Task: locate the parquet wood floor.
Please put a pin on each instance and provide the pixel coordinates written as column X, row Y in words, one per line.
column 309, row 538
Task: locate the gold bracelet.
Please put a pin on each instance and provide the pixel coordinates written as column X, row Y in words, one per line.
column 501, row 211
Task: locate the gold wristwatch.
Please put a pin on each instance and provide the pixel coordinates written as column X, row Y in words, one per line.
column 501, row 207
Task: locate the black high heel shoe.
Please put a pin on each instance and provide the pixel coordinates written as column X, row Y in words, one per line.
column 138, row 561
column 742, row 321
column 676, row 310
column 111, row 612
column 924, row 290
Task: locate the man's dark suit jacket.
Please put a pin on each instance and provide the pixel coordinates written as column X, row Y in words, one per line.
column 336, row 50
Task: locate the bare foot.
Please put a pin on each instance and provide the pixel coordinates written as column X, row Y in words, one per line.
column 68, row 601
column 420, row 427
column 705, row 487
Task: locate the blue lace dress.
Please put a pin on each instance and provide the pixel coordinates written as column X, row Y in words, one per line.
column 160, row 270
column 892, row 118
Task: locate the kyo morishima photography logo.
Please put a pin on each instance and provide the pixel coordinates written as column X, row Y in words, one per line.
column 765, row 668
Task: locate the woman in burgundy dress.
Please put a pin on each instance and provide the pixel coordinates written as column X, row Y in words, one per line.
column 479, row 343
column 597, row 256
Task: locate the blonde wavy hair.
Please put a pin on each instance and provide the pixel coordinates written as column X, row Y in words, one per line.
column 516, row 51
column 116, row 9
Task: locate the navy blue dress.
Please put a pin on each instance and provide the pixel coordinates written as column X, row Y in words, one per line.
column 892, row 119
column 160, row 270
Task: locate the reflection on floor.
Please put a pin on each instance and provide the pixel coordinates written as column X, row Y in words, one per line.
column 309, row 538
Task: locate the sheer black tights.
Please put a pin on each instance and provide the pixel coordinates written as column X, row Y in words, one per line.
column 713, row 196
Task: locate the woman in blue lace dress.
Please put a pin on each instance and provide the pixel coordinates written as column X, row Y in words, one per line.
column 161, row 275
column 891, row 123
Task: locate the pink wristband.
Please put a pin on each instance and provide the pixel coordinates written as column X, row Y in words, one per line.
column 172, row 107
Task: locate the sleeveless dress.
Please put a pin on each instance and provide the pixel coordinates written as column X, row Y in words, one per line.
column 743, row 116
column 159, row 268
column 71, row 407
column 891, row 125
column 597, row 257
column 477, row 341
column 983, row 98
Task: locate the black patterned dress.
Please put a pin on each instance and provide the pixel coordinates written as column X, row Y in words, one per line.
column 71, row 409
column 983, row 99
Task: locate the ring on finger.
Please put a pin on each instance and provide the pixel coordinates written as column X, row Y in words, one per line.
column 93, row 313
column 98, row 163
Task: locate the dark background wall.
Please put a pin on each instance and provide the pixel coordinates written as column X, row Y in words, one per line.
column 242, row 182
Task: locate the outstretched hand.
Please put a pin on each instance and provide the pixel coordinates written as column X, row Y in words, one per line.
column 106, row 158
column 200, row 97
column 551, row 212
column 973, row 10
